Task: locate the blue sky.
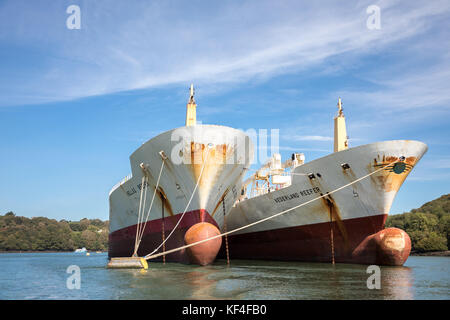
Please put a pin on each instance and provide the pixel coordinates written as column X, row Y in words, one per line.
column 74, row 104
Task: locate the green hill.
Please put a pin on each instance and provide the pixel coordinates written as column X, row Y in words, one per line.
column 427, row 226
column 43, row 234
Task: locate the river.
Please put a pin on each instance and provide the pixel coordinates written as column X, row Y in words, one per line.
column 49, row 276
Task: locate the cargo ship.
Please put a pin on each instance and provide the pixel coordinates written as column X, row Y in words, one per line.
column 346, row 226
column 182, row 183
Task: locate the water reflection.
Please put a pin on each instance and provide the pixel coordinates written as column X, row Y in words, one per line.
column 203, row 286
column 170, row 281
column 397, row 283
column 45, row 278
column 267, row 280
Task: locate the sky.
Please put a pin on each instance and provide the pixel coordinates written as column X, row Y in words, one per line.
column 75, row 103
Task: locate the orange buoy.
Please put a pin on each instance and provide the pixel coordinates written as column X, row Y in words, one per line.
column 389, row 247
column 394, row 246
column 206, row 252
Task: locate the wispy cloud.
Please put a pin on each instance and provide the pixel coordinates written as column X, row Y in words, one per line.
column 310, row 138
column 431, row 177
column 136, row 45
column 428, row 88
column 437, row 162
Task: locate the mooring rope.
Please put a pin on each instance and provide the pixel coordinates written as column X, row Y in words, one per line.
column 141, row 230
column 150, row 256
column 185, row 209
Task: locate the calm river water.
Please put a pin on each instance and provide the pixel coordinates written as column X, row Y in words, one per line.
column 44, row 276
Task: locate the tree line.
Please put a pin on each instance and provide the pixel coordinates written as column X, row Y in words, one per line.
column 428, row 226
column 43, row 234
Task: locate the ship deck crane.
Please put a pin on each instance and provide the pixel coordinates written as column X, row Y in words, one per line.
column 272, row 172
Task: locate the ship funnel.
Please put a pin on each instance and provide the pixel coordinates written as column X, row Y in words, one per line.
column 340, row 132
column 191, row 109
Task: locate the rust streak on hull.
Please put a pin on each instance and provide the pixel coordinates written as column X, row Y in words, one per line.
column 166, row 201
column 330, row 207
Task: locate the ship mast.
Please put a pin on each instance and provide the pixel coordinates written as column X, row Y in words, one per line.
column 340, row 132
column 191, row 108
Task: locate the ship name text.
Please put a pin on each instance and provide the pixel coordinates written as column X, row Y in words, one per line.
column 139, row 186
column 302, row 193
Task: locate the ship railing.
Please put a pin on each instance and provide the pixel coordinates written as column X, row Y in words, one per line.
column 118, row 184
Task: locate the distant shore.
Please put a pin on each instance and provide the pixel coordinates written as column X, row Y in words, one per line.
column 445, row 253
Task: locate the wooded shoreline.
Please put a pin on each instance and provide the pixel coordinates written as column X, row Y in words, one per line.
column 428, row 227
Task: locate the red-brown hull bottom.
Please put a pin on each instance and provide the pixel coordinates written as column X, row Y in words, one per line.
column 316, row 243
column 121, row 242
column 360, row 240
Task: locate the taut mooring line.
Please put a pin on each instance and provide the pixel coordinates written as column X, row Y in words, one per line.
column 141, row 209
column 141, row 231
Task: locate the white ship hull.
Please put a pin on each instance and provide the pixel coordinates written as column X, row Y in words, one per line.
column 331, row 227
column 222, row 152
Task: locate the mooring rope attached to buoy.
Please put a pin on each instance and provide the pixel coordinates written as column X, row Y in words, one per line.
column 184, row 212
column 153, row 256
